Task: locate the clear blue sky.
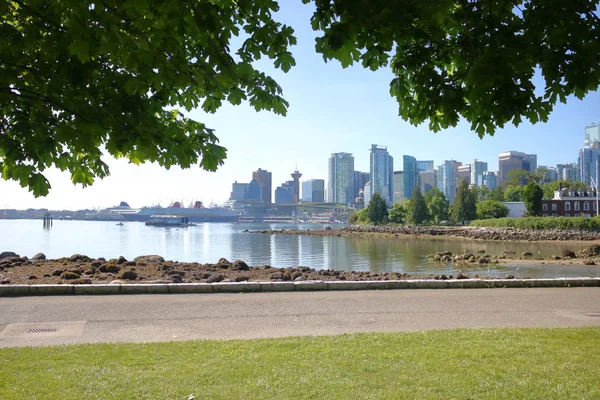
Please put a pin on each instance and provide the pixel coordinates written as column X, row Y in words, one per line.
column 331, row 110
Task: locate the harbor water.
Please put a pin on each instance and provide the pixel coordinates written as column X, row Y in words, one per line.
column 208, row 242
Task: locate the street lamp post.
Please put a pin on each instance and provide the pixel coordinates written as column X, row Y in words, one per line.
column 596, row 189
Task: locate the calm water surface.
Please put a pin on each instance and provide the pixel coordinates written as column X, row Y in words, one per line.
column 208, row 242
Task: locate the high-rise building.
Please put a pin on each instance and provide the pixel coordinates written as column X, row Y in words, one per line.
column 592, row 134
column 238, row 191
column 478, row 167
column 254, row 192
column 313, row 190
column 447, row 173
column 424, row 165
column 367, row 194
column 489, row 179
column 411, row 175
column 360, row 179
column 547, row 174
column 589, row 164
column 463, row 173
column 340, row 188
column 568, row 172
column 382, row 172
column 398, row 185
column 427, row 180
column 510, row 160
column 284, row 193
column 264, row 179
column 296, row 187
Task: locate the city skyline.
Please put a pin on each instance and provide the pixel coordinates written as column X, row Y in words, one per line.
column 331, row 110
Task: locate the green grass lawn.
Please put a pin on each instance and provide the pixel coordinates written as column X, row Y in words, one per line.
column 451, row 364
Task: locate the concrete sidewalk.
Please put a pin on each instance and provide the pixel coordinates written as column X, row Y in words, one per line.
column 149, row 318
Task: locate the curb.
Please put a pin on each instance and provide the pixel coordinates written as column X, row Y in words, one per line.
column 248, row 287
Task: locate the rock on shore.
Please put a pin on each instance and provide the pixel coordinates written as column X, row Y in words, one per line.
column 463, row 232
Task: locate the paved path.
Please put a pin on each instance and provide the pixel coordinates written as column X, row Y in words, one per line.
column 146, row 318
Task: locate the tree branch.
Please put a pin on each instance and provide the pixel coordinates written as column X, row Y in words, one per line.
column 38, row 96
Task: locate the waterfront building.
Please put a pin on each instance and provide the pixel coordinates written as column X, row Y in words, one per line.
column 592, row 134
column 411, row 175
column 284, row 194
column 382, row 172
column 398, row 185
column 238, row 191
column 447, row 173
column 510, row 160
column 254, row 192
column 570, row 202
column 340, row 187
column 489, row 179
column 263, row 177
column 568, row 172
column 313, row 190
column 424, row 165
column 427, row 180
column 478, row 167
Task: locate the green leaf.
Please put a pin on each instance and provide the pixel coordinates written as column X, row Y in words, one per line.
column 80, row 48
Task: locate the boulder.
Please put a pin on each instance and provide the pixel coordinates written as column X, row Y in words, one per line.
column 39, row 256
column 129, row 275
column 215, row 278
column 79, row 258
column 121, row 260
column 239, row 265
column 276, row 276
column 8, row 254
column 4, row 281
column 69, row 275
column 591, row 251
column 149, row 259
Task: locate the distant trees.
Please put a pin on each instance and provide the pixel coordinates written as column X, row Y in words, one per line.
column 464, row 208
column 377, row 209
column 397, row 214
column 437, row 205
column 487, row 209
column 416, row 209
column 532, row 196
column 513, row 193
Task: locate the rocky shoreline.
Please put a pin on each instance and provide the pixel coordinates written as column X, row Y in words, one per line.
column 81, row 269
column 467, row 232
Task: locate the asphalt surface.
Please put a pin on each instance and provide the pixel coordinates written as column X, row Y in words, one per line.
column 53, row 320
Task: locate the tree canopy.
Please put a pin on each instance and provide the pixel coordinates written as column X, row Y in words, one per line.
column 78, row 77
column 377, row 209
column 416, row 208
column 464, row 205
column 532, row 197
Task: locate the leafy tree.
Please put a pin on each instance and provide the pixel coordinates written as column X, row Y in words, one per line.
column 377, row 209
column 437, row 205
column 520, row 177
column 513, row 193
column 416, row 209
column 359, row 217
column 491, row 209
column 397, row 214
column 496, row 194
column 77, row 77
column 464, row 207
column 532, row 196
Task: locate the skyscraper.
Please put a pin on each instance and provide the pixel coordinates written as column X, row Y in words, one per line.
column 398, row 184
column 360, row 179
column 447, row 178
column 510, row 160
column 589, row 160
column 382, row 172
column 238, row 191
column 568, row 172
column 478, row 167
column 592, row 133
column 340, row 188
column 425, row 165
column 463, row 173
column 264, row 180
column 313, row 190
column 411, row 175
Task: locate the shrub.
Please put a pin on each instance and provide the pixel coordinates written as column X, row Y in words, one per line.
column 581, row 223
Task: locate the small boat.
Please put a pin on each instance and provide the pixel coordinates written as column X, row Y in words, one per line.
column 120, row 224
column 169, row 221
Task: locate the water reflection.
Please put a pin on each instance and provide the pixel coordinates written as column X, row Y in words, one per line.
column 208, row 242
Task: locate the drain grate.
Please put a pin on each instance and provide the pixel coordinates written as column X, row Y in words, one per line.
column 41, row 330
